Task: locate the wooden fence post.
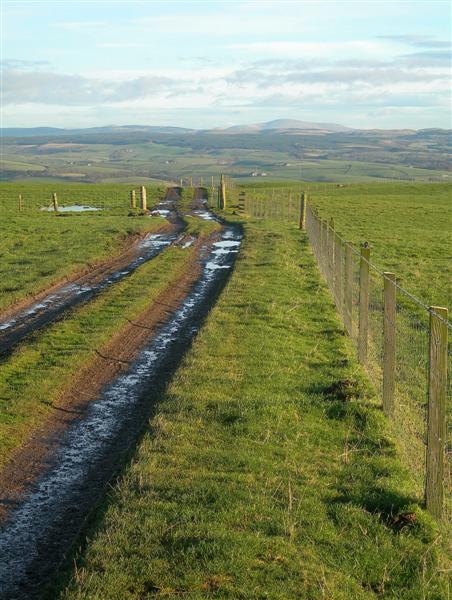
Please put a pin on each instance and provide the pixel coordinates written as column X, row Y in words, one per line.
column 21, row 203
column 55, row 202
column 143, row 198
column 330, row 271
column 338, row 272
column 133, row 199
column 222, row 193
column 348, row 289
column 389, row 342
column 436, row 416
column 191, row 181
column 324, row 245
column 364, row 280
column 303, row 203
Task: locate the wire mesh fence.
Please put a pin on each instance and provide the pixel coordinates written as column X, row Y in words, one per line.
column 402, row 343
column 403, row 346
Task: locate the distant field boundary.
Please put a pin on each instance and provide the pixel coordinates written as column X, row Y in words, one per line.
column 401, row 342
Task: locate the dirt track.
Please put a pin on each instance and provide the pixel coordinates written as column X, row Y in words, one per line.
column 30, row 315
column 54, row 481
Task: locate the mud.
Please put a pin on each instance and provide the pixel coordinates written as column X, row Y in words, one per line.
column 39, row 532
column 15, row 325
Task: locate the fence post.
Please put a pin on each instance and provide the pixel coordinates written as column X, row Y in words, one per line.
column 21, row 203
column 338, row 272
column 222, row 191
column 133, row 199
column 348, row 289
column 143, row 198
column 324, row 245
column 302, row 218
column 436, row 416
column 330, row 270
column 364, row 277
column 55, row 202
column 389, row 341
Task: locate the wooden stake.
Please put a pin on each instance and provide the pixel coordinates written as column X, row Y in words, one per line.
column 338, row 272
column 302, row 217
column 222, row 193
column 324, row 253
column 436, row 416
column 331, row 236
column 55, row 202
column 364, row 281
column 389, row 341
column 133, row 199
column 348, row 289
column 143, row 198
column 21, row 203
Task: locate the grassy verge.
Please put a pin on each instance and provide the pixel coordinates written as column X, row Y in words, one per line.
column 408, row 227
column 32, row 378
column 39, row 248
column 267, row 471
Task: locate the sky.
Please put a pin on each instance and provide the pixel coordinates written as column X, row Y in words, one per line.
column 215, row 64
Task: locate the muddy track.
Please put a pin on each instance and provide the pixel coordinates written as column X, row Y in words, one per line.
column 29, row 316
column 99, row 419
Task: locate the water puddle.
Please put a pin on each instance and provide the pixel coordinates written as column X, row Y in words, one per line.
column 68, row 295
column 72, row 208
column 36, row 532
column 160, row 212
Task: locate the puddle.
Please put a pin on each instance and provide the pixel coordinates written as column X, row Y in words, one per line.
column 212, row 266
column 206, row 216
column 73, row 208
column 68, row 295
column 38, row 532
column 161, row 212
column 225, row 244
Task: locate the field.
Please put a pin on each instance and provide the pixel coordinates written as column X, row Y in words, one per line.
column 261, row 464
column 265, row 450
column 152, row 155
column 39, row 248
column 408, row 227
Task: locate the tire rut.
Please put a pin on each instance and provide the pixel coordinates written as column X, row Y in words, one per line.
column 109, row 410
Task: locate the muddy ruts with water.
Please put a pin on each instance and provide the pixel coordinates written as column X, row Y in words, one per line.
column 17, row 324
column 41, row 532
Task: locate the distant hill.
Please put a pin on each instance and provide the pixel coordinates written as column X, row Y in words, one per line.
column 40, row 131
column 276, row 126
column 285, row 125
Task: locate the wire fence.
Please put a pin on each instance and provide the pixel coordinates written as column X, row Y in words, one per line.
column 39, row 199
column 403, row 345
column 401, row 342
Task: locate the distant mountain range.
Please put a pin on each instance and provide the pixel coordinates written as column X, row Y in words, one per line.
column 288, row 126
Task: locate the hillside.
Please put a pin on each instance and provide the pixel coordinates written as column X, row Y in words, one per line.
column 278, row 150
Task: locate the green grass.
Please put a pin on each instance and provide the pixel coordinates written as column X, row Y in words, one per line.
column 39, row 248
column 34, row 376
column 267, row 471
column 407, row 226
